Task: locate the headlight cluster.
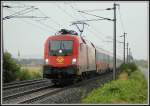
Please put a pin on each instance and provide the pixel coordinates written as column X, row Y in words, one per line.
column 46, row 61
column 74, row 60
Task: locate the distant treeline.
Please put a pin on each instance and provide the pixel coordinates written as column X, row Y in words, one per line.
column 30, row 61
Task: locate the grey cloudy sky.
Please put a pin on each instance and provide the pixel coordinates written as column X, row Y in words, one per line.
column 28, row 35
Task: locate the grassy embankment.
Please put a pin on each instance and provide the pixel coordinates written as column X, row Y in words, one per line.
column 30, row 72
column 129, row 88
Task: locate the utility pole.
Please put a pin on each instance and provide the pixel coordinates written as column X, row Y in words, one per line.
column 129, row 55
column 127, row 51
column 2, row 29
column 114, row 44
column 18, row 56
column 124, row 46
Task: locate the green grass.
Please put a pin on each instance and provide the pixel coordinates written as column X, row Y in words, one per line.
column 30, row 72
column 132, row 90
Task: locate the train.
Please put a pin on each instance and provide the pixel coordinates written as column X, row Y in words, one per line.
column 69, row 57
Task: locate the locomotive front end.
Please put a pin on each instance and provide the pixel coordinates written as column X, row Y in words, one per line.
column 61, row 57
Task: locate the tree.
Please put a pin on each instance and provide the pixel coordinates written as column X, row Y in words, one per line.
column 10, row 68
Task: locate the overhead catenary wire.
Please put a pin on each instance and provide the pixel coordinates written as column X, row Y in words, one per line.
column 68, row 14
column 96, row 16
column 65, row 11
column 96, row 10
column 47, row 29
column 120, row 15
column 86, row 18
column 52, row 19
column 24, row 11
column 41, row 18
column 20, row 5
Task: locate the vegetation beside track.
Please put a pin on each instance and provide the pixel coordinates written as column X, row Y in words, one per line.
column 13, row 71
column 129, row 88
column 29, row 73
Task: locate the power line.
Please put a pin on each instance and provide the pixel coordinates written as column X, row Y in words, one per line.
column 96, row 10
column 32, row 23
column 23, row 6
column 46, row 25
column 122, row 25
column 96, row 16
column 51, row 19
column 72, row 18
column 95, row 29
column 87, row 19
column 65, row 11
column 23, row 12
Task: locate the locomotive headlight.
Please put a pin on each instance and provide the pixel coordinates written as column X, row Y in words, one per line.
column 46, row 61
column 74, row 60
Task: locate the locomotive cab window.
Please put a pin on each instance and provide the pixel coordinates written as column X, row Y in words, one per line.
column 60, row 47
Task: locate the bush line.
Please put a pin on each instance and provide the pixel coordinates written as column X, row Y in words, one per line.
column 132, row 90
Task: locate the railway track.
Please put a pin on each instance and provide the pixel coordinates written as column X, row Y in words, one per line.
column 38, row 95
column 17, row 82
column 46, row 93
column 43, row 99
column 22, row 83
column 12, row 96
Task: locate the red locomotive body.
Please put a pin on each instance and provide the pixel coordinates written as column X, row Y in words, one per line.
column 67, row 56
column 61, row 57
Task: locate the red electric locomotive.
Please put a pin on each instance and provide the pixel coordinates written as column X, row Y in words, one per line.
column 67, row 56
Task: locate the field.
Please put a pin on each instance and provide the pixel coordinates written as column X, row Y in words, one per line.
column 33, row 68
column 30, row 72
